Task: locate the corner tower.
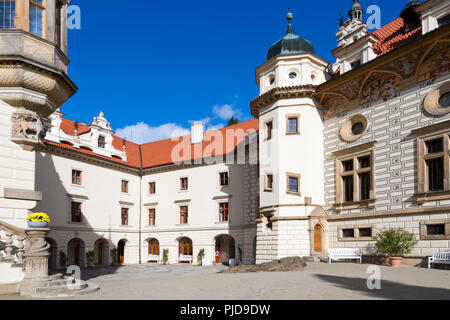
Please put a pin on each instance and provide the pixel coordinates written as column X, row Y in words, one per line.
column 291, row 148
column 33, row 84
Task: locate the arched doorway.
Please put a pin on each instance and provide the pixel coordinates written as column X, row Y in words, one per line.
column 225, row 248
column 75, row 252
column 52, row 259
column 121, row 251
column 153, row 250
column 318, row 238
column 184, row 248
column 101, row 252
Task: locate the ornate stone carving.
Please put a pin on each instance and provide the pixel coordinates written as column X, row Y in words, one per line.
column 26, row 128
column 381, row 88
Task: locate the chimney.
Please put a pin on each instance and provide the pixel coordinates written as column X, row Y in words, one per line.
column 197, row 133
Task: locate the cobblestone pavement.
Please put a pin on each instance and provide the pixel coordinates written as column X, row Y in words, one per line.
column 342, row 281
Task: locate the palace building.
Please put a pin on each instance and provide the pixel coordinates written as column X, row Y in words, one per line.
column 336, row 152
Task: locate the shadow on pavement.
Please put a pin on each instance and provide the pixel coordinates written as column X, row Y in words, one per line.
column 389, row 289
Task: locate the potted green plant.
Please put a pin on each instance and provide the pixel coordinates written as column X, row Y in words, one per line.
column 165, row 257
column 38, row 220
column 395, row 243
column 201, row 256
column 90, row 257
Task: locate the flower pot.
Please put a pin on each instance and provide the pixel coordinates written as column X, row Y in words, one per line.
column 37, row 224
column 395, row 261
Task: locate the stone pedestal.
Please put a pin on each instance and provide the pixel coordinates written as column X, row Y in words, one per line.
column 36, row 261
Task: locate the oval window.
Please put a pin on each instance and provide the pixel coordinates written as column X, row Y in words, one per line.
column 292, row 75
column 444, row 100
column 357, row 128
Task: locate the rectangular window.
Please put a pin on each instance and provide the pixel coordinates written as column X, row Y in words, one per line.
column 365, row 232
column 101, row 142
column 124, row 186
column 124, row 216
column 151, row 217
column 184, row 184
column 183, row 215
column 224, row 178
column 356, row 64
column 37, row 10
column 269, row 129
column 293, row 183
column 76, row 214
column 269, row 182
column 223, row 212
column 7, row 14
column 152, row 188
column 348, row 233
column 433, row 162
column 76, row 177
column 436, row 230
column 444, row 20
column 355, row 177
column 292, row 124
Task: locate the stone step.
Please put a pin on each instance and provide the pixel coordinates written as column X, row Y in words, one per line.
column 59, row 286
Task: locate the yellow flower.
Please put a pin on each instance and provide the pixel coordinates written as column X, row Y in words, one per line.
column 38, row 217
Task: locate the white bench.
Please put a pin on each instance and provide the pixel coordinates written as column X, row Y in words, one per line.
column 185, row 259
column 344, row 253
column 153, row 257
column 439, row 257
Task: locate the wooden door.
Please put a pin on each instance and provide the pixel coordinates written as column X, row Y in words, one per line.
column 121, row 252
column 77, row 254
column 100, row 252
column 218, row 257
column 318, row 238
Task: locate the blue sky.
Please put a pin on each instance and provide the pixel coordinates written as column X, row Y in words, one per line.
column 158, row 66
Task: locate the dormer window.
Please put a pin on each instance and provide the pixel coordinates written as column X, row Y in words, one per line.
column 356, row 64
column 7, row 13
column 444, row 20
column 37, row 10
column 101, row 142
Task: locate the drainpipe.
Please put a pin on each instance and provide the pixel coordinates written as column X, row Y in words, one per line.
column 140, row 207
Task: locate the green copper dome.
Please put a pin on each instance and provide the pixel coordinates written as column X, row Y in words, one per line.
column 412, row 3
column 290, row 43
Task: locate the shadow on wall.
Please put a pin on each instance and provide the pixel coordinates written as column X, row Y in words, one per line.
column 72, row 240
column 389, row 290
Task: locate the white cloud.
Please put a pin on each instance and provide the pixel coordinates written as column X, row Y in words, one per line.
column 143, row 133
column 226, row 111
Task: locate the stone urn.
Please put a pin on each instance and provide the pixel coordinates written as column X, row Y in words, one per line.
column 395, row 261
column 37, row 224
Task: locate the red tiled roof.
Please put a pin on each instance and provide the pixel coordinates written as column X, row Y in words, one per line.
column 391, row 36
column 160, row 152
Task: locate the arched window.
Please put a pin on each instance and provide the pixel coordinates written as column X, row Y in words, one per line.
column 7, row 14
column 153, row 247
column 37, row 14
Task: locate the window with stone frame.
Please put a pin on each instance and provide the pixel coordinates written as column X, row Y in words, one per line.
column 292, row 124
column 7, row 14
column 355, row 172
column 124, row 186
column 433, row 162
column 268, row 182
column 76, row 177
column 152, row 217
column 184, row 185
column 268, row 127
column 223, row 212
column 101, row 142
column 435, row 229
column 183, row 215
column 223, row 176
column 152, row 188
column 293, row 183
column 357, row 233
column 37, row 17
column 76, row 212
column 124, row 216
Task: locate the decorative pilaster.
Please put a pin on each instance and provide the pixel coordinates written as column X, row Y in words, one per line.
column 22, row 18
column 36, row 261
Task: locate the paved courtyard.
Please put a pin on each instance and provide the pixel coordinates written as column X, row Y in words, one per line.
column 346, row 281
